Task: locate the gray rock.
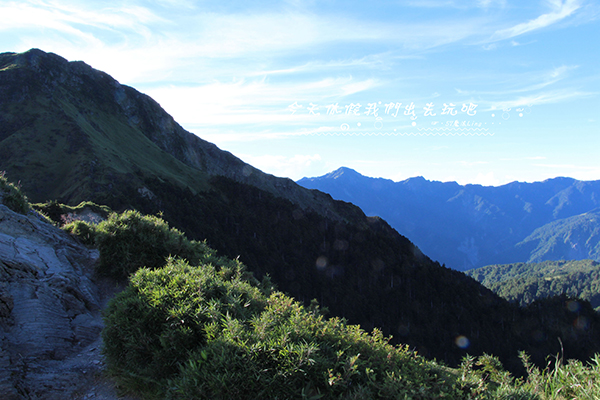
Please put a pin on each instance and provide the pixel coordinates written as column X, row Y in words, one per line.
column 49, row 308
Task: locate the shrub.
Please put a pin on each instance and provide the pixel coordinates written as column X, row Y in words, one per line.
column 86, row 232
column 163, row 315
column 215, row 332
column 208, row 332
column 130, row 241
column 12, row 197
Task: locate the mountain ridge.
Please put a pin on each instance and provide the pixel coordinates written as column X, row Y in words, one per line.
column 69, row 133
column 464, row 226
column 145, row 115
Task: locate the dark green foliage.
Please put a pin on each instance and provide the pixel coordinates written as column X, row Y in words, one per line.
column 130, row 241
column 207, row 332
column 153, row 324
column 86, row 232
column 524, row 283
column 12, row 197
column 360, row 270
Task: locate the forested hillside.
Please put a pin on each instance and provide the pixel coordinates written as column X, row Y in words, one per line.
column 573, row 238
column 525, row 283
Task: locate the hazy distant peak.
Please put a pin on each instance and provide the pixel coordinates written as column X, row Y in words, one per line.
column 343, row 171
column 415, row 179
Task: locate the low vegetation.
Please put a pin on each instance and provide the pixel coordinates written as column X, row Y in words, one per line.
column 12, row 196
column 213, row 332
column 193, row 325
column 129, row 241
column 209, row 330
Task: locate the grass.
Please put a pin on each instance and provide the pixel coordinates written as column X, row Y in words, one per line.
column 91, row 145
column 12, row 196
column 206, row 329
column 210, row 332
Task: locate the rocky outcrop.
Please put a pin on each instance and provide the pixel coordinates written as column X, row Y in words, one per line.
column 49, row 307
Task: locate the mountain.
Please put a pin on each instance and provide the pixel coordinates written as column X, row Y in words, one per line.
column 70, row 133
column 468, row 226
column 573, row 238
column 84, row 132
column 525, row 283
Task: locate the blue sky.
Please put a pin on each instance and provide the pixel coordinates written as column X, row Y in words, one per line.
column 477, row 91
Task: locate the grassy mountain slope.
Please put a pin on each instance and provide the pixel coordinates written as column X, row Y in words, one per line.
column 466, row 226
column 200, row 326
column 69, row 120
column 526, row 282
column 71, row 133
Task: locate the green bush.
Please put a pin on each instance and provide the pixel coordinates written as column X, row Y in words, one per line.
column 86, row 232
column 215, row 332
column 12, row 197
column 163, row 315
column 209, row 332
column 130, row 241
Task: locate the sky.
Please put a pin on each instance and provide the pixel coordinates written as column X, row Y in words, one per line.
column 474, row 91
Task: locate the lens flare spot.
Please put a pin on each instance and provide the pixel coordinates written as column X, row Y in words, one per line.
column 321, row 262
column 378, row 264
column 538, row 335
column 581, row 323
column 403, row 329
column 462, row 342
column 573, row 305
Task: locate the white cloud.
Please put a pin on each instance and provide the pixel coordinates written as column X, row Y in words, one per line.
column 559, row 10
column 529, row 88
column 486, row 179
column 472, row 163
column 292, row 167
column 491, row 3
column 252, row 101
column 549, row 97
column 370, row 61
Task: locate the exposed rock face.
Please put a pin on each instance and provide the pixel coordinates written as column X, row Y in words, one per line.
column 49, row 306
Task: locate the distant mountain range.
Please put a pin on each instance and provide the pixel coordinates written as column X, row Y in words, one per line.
column 70, row 133
column 469, row 226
